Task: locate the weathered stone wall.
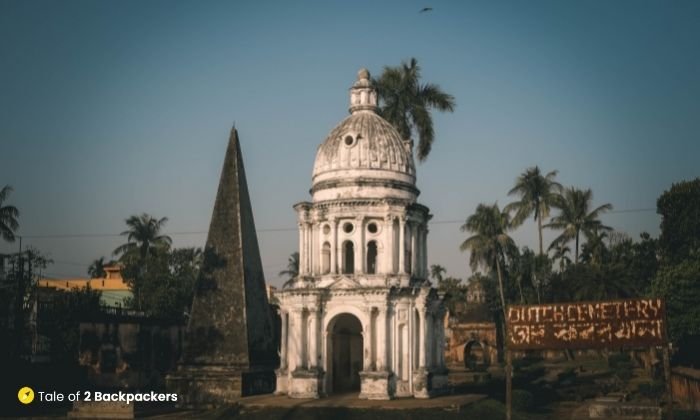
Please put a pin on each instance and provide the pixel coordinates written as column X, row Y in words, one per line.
column 461, row 334
column 129, row 353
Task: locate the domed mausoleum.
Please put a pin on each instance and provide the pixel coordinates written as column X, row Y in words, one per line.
column 361, row 315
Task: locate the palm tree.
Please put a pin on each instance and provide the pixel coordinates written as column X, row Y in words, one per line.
column 96, row 269
column 594, row 251
column 292, row 270
column 143, row 237
column 489, row 243
column 575, row 216
column 436, row 272
column 406, row 103
column 538, row 194
column 143, row 241
column 8, row 216
column 560, row 252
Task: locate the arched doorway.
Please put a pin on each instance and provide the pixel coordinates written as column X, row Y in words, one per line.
column 475, row 356
column 344, row 353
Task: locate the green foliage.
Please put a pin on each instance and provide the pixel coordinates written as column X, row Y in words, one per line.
column 18, row 294
column 145, row 246
column 679, row 284
column 455, row 292
column 97, row 268
column 527, row 273
column 165, row 281
column 679, row 208
column 8, row 216
column 436, row 272
column 61, row 320
column 538, row 194
column 523, row 400
column 623, row 268
column 292, row 270
column 568, row 376
column 143, row 238
column 490, row 244
column 406, row 103
column 576, row 217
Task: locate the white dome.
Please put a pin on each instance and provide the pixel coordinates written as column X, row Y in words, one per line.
column 364, row 156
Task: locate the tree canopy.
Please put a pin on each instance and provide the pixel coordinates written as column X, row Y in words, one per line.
column 406, row 103
column 679, row 208
column 9, row 215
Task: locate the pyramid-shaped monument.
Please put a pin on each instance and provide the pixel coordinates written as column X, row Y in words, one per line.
column 230, row 348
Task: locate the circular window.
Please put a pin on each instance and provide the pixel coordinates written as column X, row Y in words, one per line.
column 348, row 227
column 326, row 229
column 349, row 141
column 372, row 228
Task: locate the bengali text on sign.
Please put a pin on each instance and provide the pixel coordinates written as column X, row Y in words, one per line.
column 608, row 324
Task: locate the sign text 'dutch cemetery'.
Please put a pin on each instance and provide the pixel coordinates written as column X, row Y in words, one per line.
column 620, row 323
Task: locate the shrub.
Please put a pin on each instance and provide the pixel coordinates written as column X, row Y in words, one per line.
column 523, row 400
column 568, row 376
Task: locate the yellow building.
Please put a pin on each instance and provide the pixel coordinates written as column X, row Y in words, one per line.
column 113, row 287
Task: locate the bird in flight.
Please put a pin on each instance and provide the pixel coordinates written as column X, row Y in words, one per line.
column 426, row 9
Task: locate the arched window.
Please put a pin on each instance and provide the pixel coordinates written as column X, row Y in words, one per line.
column 326, row 258
column 372, row 257
column 348, row 257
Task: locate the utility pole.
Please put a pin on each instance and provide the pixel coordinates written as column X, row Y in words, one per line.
column 19, row 319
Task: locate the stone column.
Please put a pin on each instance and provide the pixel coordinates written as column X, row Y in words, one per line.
column 425, row 251
column 334, row 246
column 295, row 339
column 360, row 251
column 419, row 250
column 402, row 245
column 381, row 339
column 313, row 338
column 309, row 251
column 367, row 341
column 387, row 260
column 440, row 325
column 429, row 340
column 302, row 251
column 283, row 342
column 318, row 249
column 421, row 337
column 414, row 249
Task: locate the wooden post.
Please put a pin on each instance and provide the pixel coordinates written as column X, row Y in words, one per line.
column 669, row 391
column 509, row 385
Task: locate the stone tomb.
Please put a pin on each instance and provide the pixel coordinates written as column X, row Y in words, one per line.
column 230, row 346
column 361, row 316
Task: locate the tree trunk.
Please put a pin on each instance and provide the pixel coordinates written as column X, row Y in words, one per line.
column 520, row 288
column 500, row 287
column 539, row 227
column 576, row 260
column 537, row 262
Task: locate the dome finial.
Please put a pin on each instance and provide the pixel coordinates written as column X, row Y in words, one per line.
column 363, row 74
column 363, row 96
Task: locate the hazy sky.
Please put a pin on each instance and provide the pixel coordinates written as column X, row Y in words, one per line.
column 108, row 109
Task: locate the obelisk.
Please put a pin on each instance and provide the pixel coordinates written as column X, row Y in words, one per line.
column 230, row 348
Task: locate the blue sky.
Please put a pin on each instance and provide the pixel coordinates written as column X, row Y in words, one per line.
column 113, row 108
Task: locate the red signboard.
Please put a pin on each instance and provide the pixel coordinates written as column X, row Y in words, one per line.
column 608, row 324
